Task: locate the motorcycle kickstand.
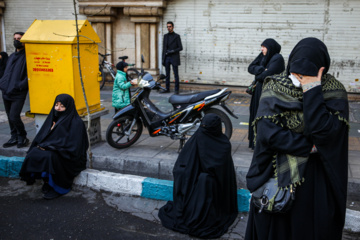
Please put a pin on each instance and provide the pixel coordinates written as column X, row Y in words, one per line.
column 182, row 141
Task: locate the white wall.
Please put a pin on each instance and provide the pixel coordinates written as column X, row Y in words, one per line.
column 20, row 14
column 221, row 38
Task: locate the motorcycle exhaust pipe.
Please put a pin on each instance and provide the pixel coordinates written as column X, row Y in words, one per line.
column 183, row 128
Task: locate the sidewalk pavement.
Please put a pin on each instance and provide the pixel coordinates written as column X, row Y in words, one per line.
column 154, row 157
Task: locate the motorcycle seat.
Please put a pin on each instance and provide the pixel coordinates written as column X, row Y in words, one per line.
column 191, row 97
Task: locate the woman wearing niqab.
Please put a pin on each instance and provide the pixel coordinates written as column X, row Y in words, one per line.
column 204, row 197
column 268, row 62
column 58, row 152
column 302, row 140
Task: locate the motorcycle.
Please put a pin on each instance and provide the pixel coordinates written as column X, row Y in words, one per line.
column 178, row 124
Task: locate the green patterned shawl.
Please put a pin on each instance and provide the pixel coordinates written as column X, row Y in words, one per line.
column 281, row 102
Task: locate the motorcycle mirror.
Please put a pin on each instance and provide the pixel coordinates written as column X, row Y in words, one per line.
column 142, row 61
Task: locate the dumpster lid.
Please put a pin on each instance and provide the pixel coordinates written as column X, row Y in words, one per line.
column 60, row 31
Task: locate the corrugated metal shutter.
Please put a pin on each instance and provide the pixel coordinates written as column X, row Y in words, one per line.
column 221, row 38
column 20, row 14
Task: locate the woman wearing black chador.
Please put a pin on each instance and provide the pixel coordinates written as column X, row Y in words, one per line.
column 301, row 142
column 58, row 152
column 269, row 62
column 204, row 197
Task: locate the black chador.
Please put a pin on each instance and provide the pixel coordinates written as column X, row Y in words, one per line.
column 263, row 66
column 204, row 198
column 60, row 151
column 306, row 134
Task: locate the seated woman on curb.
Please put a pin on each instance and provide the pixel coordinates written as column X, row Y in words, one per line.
column 204, row 198
column 58, row 152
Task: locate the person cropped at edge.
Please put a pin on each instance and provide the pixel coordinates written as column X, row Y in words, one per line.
column 14, row 86
column 303, row 119
column 121, row 89
column 171, row 56
column 204, row 198
column 267, row 63
column 3, row 60
column 58, row 152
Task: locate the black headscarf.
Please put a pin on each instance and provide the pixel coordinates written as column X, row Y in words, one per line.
column 68, row 137
column 204, row 197
column 273, row 47
column 211, row 125
column 308, row 56
column 121, row 65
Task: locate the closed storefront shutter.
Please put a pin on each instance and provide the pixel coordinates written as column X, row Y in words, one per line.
column 221, row 38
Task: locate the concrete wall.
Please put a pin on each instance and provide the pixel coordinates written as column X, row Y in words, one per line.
column 124, row 38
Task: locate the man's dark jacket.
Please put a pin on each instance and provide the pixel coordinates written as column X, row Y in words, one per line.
column 14, row 83
column 174, row 45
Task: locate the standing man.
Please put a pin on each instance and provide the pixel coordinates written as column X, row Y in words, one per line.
column 170, row 56
column 14, row 87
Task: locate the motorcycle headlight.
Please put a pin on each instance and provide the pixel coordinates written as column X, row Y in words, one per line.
column 143, row 84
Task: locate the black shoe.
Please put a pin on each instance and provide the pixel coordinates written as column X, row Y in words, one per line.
column 51, row 194
column 176, row 91
column 23, row 143
column 46, row 188
column 165, row 91
column 12, row 142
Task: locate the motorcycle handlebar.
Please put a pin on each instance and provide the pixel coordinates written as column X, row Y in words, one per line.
column 158, row 85
column 104, row 55
column 162, row 88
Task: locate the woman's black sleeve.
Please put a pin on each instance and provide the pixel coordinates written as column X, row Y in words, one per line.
column 255, row 68
column 278, row 139
column 322, row 125
column 275, row 66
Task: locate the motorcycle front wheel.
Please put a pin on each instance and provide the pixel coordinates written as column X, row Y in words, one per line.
column 227, row 127
column 116, row 133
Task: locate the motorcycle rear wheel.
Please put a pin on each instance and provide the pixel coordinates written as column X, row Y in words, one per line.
column 227, row 127
column 115, row 134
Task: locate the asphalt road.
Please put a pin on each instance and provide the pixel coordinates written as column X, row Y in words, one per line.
column 81, row 214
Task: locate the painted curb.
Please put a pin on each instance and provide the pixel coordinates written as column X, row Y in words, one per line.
column 140, row 186
column 352, row 220
column 143, row 187
column 10, row 166
column 111, row 182
column 157, row 189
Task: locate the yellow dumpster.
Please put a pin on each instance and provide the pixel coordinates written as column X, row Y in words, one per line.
column 52, row 64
